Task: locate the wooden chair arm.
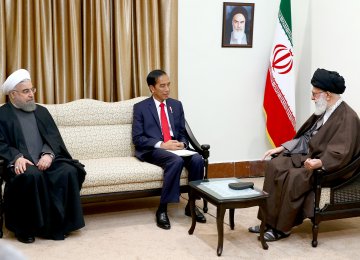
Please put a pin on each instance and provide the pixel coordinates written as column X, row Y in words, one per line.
column 203, row 149
column 323, row 178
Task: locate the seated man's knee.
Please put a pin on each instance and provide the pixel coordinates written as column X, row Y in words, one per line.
column 32, row 174
column 178, row 161
column 33, row 171
column 197, row 159
column 65, row 168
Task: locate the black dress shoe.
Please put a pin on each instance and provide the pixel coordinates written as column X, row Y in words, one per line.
column 199, row 216
column 162, row 220
column 27, row 239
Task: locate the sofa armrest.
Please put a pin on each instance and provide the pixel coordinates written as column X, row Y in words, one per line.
column 203, row 149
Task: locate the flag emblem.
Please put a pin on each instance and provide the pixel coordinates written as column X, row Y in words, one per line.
column 282, row 60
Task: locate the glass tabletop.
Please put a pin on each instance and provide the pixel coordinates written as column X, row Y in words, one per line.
column 219, row 189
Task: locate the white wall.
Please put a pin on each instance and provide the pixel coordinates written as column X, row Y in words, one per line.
column 336, row 41
column 222, row 88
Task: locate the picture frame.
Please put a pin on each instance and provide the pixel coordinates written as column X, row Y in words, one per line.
column 241, row 16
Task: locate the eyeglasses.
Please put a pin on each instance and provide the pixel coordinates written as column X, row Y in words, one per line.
column 26, row 91
column 314, row 94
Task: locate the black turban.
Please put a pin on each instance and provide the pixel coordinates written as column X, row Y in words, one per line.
column 328, row 81
column 239, row 10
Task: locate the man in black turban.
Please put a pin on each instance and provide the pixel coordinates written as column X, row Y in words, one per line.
column 328, row 81
column 329, row 139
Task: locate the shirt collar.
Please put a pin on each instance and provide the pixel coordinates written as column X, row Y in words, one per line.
column 157, row 102
column 331, row 109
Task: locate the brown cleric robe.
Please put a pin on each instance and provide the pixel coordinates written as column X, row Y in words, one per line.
column 289, row 183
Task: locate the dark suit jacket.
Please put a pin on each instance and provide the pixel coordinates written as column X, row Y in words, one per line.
column 146, row 128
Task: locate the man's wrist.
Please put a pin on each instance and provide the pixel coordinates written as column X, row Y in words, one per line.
column 50, row 154
column 158, row 144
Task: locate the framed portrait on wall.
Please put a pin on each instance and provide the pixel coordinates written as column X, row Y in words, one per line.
column 238, row 25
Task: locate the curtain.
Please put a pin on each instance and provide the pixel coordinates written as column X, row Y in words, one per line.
column 100, row 49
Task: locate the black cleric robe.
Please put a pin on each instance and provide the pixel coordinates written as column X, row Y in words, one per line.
column 45, row 203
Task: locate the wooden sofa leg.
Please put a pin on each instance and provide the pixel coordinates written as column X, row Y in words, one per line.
column 315, row 231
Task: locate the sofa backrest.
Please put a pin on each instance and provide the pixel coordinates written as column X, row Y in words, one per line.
column 95, row 129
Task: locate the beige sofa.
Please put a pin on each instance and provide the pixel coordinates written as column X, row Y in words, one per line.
column 98, row 134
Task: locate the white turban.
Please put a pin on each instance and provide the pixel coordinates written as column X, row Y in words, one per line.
column 15, row 78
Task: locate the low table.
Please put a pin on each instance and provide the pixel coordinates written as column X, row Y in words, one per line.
column 217, row 192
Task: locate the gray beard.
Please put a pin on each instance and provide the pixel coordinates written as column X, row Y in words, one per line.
column 27, row 107
column 320, row 106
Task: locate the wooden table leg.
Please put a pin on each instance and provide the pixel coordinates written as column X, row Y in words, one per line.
column 192, row 210
column 220, row 213
column 231, row 218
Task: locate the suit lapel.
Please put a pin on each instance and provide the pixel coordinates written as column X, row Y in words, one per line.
column 171, row 115
column 153, row 111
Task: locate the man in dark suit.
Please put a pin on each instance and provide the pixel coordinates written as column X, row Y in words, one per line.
column 158, row 129
column 41, row 194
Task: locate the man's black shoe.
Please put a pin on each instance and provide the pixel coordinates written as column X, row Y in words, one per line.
column 162, row 220
column 27, row 239
column 199, row 216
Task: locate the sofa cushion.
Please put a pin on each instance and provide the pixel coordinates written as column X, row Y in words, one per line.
column 122, row 174
column 92, row 128
column 91, row 142
column 85, row 112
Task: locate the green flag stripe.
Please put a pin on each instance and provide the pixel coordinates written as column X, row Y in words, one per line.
column 285, row 9
column 285, row 18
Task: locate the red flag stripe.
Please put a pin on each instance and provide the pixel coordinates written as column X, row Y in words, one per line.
column 280, row 122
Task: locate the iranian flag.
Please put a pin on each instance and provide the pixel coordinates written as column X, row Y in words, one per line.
column 279, row 96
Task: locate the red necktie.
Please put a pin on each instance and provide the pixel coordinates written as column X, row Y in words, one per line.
column 164, row 124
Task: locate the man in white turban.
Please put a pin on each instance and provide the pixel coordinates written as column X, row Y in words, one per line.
column 43, row 182
column 14, row 79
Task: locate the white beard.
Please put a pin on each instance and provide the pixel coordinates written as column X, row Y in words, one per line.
column 238, row 37
column 320, row 105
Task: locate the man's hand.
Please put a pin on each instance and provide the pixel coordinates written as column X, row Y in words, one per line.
column 44, row 162
column 312, row 164
column 20, row 165
column 172, row 145
column 273, row 151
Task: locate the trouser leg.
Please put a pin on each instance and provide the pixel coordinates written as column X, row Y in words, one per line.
column 172, row 166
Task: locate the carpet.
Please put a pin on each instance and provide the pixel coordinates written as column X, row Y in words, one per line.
column 127, row 230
